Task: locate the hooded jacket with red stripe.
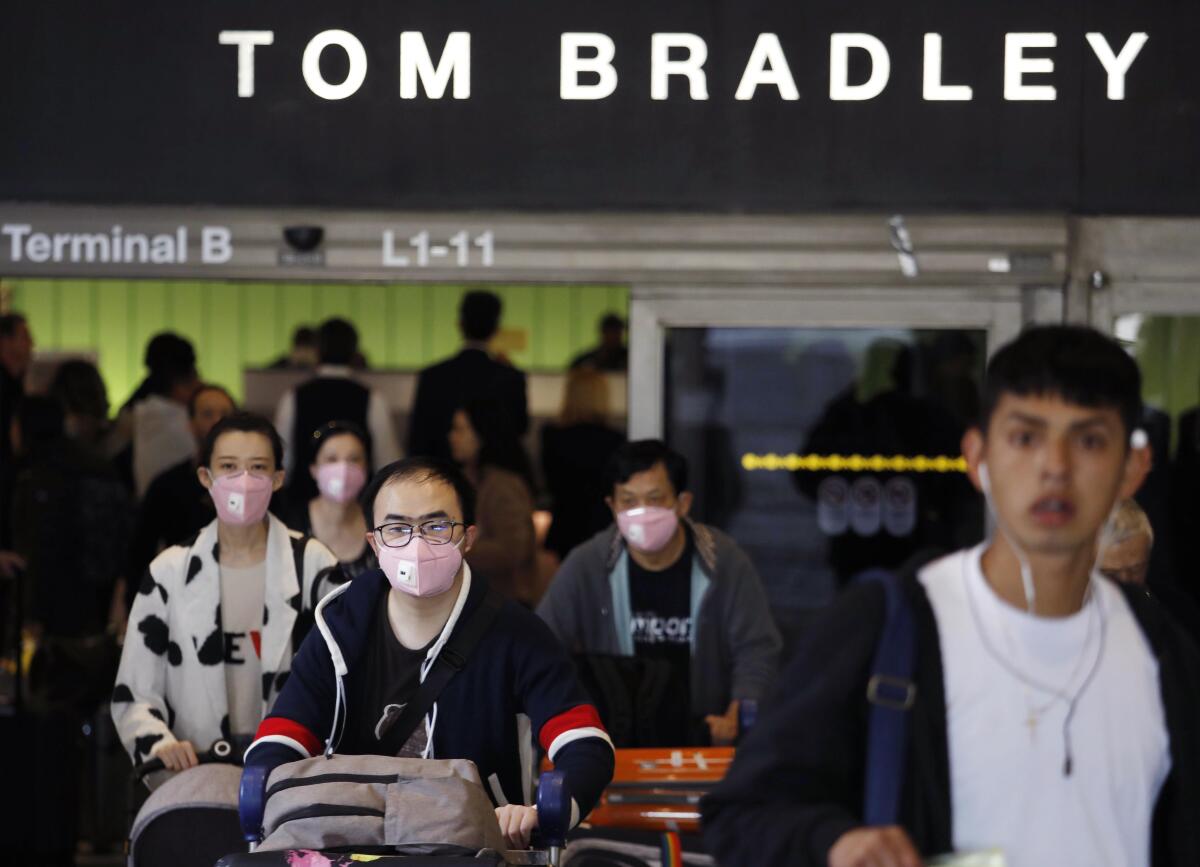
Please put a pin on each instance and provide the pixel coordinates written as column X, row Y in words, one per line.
column 517, row 681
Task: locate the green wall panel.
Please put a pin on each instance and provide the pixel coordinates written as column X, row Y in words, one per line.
column 235, row 325
column 76, row 314
column 117, row 364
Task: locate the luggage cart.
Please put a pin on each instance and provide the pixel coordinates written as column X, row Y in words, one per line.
column 554, row 818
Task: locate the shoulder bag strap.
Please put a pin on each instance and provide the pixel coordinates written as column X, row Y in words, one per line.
column 450, row 660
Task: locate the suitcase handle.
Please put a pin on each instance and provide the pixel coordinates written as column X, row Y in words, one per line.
column 252, row 802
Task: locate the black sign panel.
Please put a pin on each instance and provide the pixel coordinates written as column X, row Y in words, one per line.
column 711, row 105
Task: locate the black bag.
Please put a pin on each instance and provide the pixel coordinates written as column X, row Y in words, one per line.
column 73, row 672
column 636, row 698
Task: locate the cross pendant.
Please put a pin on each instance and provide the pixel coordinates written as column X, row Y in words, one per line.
column 1031, row 723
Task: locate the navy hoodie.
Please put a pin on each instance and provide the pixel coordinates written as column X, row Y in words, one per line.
column 518, row 681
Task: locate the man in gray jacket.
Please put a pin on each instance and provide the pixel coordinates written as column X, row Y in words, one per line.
column 660, row 586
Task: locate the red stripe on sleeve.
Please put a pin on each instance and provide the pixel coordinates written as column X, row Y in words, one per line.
column 277, row 725
column 578, row 717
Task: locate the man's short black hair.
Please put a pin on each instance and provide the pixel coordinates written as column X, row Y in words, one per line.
column 9, row 323
column 420, row 469
column 642, row 455
column 304, row 336
column 1072, row 362
column 245, row 422
column 337, row 342
column 205, row 387
column 169, row 355
column 611, row 322
column 479, row 314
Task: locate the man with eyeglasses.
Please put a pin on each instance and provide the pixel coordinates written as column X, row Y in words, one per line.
column 386, row 630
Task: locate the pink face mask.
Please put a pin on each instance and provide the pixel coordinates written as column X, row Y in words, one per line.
column 341, row 481
column 649, row 528
column 241, row 498
column 421, row 569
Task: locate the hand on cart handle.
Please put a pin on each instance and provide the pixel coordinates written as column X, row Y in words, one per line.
column 181, row 755
column 866, row 847
column 517, row 823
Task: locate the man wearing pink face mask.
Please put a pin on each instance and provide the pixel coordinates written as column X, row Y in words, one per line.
column 660, row 586
column 385, row 638
column 217, row 619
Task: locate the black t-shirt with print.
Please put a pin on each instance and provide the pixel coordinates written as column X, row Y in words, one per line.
column 661, row 625
column 383, row 682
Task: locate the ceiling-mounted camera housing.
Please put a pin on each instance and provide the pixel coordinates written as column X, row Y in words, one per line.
column 303, row 239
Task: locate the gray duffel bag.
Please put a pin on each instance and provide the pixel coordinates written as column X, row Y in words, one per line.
column 409, row 806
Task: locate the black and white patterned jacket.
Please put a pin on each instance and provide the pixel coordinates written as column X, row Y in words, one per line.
column 171, row 682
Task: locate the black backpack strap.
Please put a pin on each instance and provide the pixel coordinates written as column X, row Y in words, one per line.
column 450, row 660
column 891, row 692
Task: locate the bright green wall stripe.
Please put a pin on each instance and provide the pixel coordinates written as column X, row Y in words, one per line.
column 234, row 325
column 76, row 315
column 259, row 339
column 112, row 343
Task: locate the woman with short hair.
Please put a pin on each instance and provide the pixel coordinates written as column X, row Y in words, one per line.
column 216, row 622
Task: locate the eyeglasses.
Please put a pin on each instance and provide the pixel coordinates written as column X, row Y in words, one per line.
column 435, row 532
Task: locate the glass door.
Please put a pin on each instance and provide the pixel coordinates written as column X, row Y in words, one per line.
column 822, row 433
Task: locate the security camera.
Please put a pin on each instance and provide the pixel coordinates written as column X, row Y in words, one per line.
column 303, row 239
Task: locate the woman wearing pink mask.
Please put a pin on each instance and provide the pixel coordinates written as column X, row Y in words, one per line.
column 217, row 620
column 340, row 469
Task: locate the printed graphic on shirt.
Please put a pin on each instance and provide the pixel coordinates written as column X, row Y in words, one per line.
column 239, row 646
column 414, row 747
column 647, row 627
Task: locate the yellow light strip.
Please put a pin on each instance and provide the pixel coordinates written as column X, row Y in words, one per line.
column 855, row 463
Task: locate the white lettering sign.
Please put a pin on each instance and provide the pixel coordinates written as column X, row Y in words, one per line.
column 310, row 64
column 115, row 247
column 246, row 40
column 662, row 67
column 932, row 88
column 1017, row 66
column 572, row 65
column 1116, row 65
column 767, row 65
column 839, row 63
column 415, row 63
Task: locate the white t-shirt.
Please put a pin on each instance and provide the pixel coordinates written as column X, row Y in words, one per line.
column 1008, row 788
column 243, row 594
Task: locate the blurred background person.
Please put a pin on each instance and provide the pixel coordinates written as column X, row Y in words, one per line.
column 80, row 391
column 16, row 353
column 612, row 355
column 483, row 442
column 1127, row 553
column 473, row 373
column 340, row 470
column 72, row 519
column 176, row 505
column 303, row 353
column 575, row 455
column 152, row 429
column 1126, row 544
column 331, row 395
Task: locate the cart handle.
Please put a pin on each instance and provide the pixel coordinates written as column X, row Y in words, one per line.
column 220, row 753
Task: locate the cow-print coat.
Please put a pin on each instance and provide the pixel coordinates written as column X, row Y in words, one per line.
column 171, row 682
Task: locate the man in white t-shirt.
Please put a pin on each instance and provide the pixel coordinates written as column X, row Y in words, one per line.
column 1056, row 714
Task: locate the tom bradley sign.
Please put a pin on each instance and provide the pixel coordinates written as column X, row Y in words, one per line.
column 532, row 104
column 587, row 70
